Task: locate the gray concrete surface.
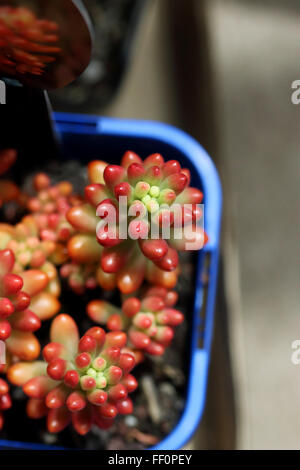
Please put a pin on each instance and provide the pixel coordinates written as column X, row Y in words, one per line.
column 256, row 55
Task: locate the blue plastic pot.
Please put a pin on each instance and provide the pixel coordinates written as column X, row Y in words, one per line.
column 88, row 137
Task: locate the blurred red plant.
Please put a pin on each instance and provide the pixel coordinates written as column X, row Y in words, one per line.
column 49, row 207
column 9, row 191
column 5, row 400
column 27, row 44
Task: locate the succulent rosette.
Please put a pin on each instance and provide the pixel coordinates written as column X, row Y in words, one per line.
column 84, row 381
column 23, row 239
column 149, row 321
column 155, row 193
column 27, row 43
column 18, row 322
column 5, row 400
column 49, row 207
column 32, row 253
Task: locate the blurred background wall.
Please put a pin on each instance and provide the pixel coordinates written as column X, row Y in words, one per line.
column 256, row 58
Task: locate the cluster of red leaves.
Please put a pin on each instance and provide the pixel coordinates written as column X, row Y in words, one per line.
column 157, row 194
column 50, row 206
column 148, row 321
column 87, row 381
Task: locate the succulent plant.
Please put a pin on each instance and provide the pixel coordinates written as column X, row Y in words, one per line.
column 49, row 207
column 23, row 240
column 18, row 322
column 156, row 192
column 31, row 252
column 149, row 321
column 5, row 400
column 13, row 299
column 84, row 381
column 27, row 43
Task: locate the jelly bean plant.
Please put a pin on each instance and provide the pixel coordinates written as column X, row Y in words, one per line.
column 113, row 249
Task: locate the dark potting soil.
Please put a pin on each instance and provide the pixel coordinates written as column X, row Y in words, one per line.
column 160, row 398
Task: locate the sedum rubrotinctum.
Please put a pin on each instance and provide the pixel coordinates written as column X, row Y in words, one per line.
column 23, row 304
column 149, row 321
column 141, row 213
column 81, row 381
column 86, row 381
